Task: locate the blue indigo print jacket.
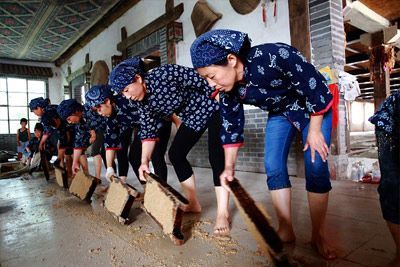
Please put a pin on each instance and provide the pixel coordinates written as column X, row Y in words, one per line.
column 89, row 121
column 48, row 129
column 125, row 116
column 175, row 89
column 388, row 115
column 277, row 79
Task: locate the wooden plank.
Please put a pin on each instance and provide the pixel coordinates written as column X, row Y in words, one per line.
column 119, row 199
column 259, row 225
column 83, row 186
column 153, row 26
column 164, row 204
column 300, row 27
column 300, row 38
column 82, row 70
column 113, row 14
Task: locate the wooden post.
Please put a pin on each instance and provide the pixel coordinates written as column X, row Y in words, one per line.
column 300, row 38
column 380, row 76
column 124, row 36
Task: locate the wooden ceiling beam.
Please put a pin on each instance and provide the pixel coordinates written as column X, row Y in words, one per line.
column 357, row 59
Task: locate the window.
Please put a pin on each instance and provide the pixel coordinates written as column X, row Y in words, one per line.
column 15, row 94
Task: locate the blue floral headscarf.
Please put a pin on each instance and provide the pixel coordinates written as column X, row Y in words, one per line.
column 38, row 102
column 97, row 95
column 124, row 73
column 213, row 46
column 67, row 107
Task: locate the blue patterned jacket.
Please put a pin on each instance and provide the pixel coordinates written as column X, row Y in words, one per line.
column 175, row 89
column 125, row 115
column 388, row 115
column 277, row 79
column 48, row 129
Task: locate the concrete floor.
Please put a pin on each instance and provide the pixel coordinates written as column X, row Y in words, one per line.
column 43, row 225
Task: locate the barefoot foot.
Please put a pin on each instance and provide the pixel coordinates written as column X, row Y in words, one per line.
column 323, row 248
column 222, row 225
column 287, row 236
column 192, row 207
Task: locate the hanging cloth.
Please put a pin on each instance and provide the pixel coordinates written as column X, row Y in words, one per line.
column 334, row 89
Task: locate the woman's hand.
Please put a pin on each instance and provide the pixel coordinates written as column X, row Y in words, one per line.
column 76, row 166
column 144, row 167
column 316, row 142
column 92, row 136
column 227, row 175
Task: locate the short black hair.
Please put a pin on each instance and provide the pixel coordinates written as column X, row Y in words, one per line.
column 23, row 120
column 39, row 127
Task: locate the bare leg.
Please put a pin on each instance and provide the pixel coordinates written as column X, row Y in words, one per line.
column 68, row 159
column 61, row 157
column 97, row 166
column 281, row 199
column 395, row 231
column 222, row 223
column 84, row 163
column 318, row 204
column 189, row 188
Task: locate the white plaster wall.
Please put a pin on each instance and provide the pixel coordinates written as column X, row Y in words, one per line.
column 56, row 89
column 104, row 45
column 276, row 30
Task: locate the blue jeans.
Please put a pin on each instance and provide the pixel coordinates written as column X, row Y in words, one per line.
column 279, row 134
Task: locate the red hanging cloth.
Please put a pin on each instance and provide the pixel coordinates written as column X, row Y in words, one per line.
column 334, row 89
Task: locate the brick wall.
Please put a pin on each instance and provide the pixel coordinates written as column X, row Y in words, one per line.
column 251, row 155
column 8, row 142
column 328, row 49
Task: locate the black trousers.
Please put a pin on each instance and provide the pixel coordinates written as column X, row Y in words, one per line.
column 184, row 141
column 131, row 152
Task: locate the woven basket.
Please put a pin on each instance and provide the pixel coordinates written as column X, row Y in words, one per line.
column 203, row 17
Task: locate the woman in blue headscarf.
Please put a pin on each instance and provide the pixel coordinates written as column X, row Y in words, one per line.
column 161, row 93
column 277, row 79
column 387, row 129
column 122, row 124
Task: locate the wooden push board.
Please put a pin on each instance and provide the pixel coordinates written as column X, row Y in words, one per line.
column 164, row 205
column 83, row 186
column 259, row 225
column 119, row 199
column 61, row 176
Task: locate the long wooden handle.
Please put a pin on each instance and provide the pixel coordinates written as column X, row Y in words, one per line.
column 259, row 224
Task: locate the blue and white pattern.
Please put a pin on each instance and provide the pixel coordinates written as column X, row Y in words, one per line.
column 125, row 116
column 175, row 89
column 290, row 86
column 124, row 73
column 213, row 46
column 67, row 107
column 388, row 114
column 47, row 129
column 38, row 102
column 97, row 95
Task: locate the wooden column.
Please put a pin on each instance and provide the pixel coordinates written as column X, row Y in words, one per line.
column 300, row 27
column 300, row 38
column 380, row 76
